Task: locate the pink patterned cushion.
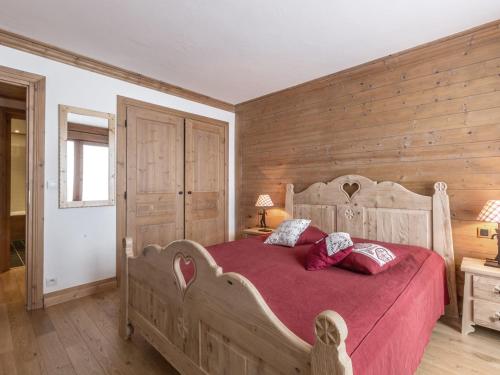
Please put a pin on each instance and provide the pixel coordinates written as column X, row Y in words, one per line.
column 369, row 258
column 317, row 257
column 311, row 235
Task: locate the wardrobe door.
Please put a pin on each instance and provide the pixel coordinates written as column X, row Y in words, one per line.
column 206, row 174
column 155, row 177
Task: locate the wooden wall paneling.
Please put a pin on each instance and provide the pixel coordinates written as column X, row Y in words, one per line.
column 428, row 114
column 48, row 51
column 206, row 182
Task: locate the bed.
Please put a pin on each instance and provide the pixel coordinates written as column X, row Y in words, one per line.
column 207, row 321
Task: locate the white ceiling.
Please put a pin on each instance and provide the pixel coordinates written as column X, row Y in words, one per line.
column 236, row 50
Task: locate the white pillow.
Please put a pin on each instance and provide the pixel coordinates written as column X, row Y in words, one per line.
column 288, row 232
column 337, row 241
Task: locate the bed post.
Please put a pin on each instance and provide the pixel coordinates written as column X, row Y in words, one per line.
column 289, row 200
column 442, row 242
column 125, row 328
column 329, row 355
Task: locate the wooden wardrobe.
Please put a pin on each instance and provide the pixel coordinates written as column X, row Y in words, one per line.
column 175, row 165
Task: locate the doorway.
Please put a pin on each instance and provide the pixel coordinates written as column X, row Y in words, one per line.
column 22, row 104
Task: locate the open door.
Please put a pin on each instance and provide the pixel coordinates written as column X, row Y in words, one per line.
column 28, row 90
column 4, row 192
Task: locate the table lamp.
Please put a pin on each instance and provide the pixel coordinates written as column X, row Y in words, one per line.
column 491, row 214
column 263, row 201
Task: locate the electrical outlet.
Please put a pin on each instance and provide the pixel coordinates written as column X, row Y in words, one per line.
column 483, row 232
column 51, row 282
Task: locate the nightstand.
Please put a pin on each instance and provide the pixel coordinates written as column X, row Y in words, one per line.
column 255, row 231
column 481, row 295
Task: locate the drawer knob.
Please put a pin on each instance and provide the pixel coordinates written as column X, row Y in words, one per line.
column 496, row 289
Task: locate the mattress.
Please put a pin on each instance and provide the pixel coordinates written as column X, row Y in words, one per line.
column 389, row 316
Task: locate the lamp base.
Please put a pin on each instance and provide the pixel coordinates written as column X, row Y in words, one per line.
column 265, row 230
column 492, row 263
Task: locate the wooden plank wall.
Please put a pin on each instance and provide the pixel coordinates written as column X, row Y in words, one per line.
column 427, row 114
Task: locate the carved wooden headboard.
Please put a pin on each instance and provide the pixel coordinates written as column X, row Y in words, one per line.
column 383, row 211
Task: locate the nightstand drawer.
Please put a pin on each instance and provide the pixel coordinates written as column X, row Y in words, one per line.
column 486, row 287
column 487, row 314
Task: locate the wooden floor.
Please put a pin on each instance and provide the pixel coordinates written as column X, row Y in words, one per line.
column 81, row 337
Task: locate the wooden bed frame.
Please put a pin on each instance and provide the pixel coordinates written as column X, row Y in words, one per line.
column 218, row 323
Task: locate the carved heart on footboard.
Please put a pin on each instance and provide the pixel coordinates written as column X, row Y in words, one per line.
column 185, row 272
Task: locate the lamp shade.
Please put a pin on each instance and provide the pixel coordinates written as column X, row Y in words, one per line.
column 264, row 200
column 490, row 212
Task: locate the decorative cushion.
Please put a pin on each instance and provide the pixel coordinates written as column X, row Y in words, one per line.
column 369, row 258
column 317, row 257
column 337, row 241
column 288, row 232
column 311, row 235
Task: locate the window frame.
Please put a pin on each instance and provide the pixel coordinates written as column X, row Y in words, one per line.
column 81, row 135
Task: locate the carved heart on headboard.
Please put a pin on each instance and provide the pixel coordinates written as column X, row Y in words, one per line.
column 185, row 272
column 350, row 189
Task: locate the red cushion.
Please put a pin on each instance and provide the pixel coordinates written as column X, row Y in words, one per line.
column 310, row 235
column 364, row 262
column 317, row 257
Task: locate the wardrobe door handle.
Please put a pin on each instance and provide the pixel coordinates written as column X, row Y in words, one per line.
column 190, row 192
column 181, row 192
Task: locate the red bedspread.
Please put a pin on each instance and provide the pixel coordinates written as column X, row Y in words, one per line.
column 389, row 316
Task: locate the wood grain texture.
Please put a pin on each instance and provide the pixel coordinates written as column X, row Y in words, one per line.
column 76, row 337
column 384, row 211
column 155, row 177
column 158, row 300
column 215, row 322
column 23, row 43
column 86, row 329
column 206, row 179
column 424, row 115
column 68, row 294
column 481, row 303
column 138, row 173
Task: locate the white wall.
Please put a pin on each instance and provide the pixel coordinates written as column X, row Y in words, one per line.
column 80, row 242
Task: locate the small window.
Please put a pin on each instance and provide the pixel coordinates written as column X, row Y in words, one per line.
column 86, row 154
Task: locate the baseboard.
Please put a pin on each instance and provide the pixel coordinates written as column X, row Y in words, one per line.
column 69, row 294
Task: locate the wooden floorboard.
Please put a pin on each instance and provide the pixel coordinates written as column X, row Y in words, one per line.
column 81, row 337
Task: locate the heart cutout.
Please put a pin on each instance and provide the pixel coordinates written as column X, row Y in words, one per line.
column 185, row 272
column 350, row 189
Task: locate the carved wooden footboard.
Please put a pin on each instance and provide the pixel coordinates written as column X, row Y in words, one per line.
column 210, row 322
